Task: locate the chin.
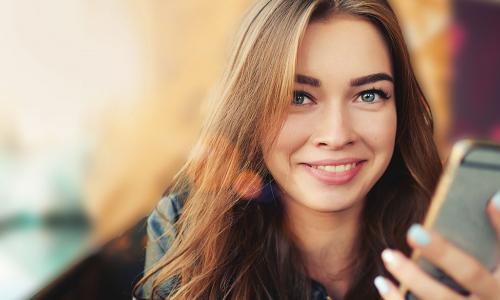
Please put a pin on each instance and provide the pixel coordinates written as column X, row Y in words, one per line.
column 329, row 203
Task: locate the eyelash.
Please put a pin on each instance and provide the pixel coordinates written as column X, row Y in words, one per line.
column 381, row 93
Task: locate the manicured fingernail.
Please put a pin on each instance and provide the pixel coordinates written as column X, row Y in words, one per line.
column 496, row 200
column 389, row 257
column 381, row 285
column 419, row 235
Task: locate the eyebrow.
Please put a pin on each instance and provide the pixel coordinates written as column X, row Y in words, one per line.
column 371, row 79
column 307, row 80
column 304, row 79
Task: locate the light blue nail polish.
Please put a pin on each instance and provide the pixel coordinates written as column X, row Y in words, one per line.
column 419, row 235
column 381, row 285
column 496, row 200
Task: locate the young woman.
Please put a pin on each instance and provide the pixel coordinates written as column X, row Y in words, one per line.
column 318, row 155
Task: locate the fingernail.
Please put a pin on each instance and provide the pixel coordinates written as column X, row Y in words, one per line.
column 496, row 200
column 419, row 235
column 389, row 257
column 381, row 285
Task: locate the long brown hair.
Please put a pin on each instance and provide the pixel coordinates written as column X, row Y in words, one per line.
column 229, row 247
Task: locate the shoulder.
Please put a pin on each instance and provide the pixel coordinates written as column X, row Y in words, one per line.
column 161, row 231
column 163, row 218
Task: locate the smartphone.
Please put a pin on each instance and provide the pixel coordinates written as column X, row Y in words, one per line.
column 458, row 208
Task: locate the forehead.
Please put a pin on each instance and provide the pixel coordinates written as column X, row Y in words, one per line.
column 342, row 47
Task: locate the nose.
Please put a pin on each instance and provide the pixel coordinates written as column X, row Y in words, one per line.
column 334, row 129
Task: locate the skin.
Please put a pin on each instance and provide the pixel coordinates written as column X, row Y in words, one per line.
column 334, row 122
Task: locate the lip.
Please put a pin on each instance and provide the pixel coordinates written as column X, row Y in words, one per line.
column 334, row 162
column 331, row 178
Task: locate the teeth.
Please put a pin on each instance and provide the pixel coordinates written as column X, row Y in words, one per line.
column 339, row 168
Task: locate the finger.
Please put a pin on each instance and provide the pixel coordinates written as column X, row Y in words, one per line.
column 494, row 213
column 463, row 268
column 417, row 281
column 387, row 289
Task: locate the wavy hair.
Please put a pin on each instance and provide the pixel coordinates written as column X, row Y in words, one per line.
column 228, row 247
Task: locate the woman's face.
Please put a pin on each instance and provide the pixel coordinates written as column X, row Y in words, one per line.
column 340, row 131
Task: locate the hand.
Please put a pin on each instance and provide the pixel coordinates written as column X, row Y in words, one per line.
column 471, row 274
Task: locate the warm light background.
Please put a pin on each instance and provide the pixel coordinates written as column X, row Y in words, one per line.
column 100, row 101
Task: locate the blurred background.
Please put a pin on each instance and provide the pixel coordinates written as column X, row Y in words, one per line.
column 101, row 101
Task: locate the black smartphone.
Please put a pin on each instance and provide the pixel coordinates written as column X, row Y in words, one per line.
column 458, row 209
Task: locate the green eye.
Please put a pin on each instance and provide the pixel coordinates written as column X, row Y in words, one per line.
column 300, row 98
column 368, row 97
column 373, row 96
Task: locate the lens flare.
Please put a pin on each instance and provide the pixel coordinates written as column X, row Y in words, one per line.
column 248, row 185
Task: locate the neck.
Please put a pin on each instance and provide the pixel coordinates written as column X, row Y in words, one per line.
column 326, row 241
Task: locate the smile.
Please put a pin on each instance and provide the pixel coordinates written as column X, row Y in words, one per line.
column 336, row 169
column 335, row 174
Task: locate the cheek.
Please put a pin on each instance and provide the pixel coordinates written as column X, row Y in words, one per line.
column 379, row 129
column 293, row 135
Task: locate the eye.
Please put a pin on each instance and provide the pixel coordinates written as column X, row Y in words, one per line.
column 373, row 96
column 368, row 97
column 301, row 98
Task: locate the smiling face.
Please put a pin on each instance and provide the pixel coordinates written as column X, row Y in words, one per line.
column 338, row 137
